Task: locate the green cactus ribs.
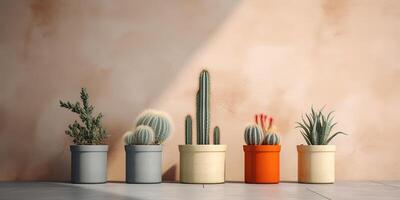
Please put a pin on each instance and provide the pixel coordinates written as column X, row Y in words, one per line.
column 271, row 139
column 188, row 129
column 216, row 138
column 204, row 107
column 143, row 135
column 152, row 128
column 261, row 133
column 253, row 135
column 158, row 121
column 202, row 114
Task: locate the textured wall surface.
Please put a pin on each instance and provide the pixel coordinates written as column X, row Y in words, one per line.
column 277, row 57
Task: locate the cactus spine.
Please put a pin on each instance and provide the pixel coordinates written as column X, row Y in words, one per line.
column 216, row 135
column 202, row 114
column 129, row 138
column 203, row 108
column 271, row 139
column 158, row 121
column 253, row 135
column 188, row 129
column 198, row 117
column 144, row 135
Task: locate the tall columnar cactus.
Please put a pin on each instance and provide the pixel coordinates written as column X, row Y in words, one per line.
column 188, row 129
column 197, row 118
column 202, row 114
column 253, row 135
column 203, row 108
column 159, row 121
column 216, row 138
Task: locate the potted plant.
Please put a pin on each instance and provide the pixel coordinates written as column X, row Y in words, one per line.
column 143, row 147
column 202, row 162
column 261, row 152
column 316, row 160
column 88, row 154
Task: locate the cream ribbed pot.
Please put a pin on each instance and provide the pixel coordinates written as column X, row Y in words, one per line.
column 316, row 163
column 202, row 163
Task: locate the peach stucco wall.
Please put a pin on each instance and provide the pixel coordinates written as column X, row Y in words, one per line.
column 278, row 57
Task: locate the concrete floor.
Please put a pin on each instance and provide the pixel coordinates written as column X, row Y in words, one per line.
column 116, row 191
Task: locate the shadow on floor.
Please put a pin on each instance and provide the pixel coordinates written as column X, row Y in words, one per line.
column 49, row 190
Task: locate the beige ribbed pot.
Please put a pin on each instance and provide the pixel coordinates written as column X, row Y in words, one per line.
column 316, row 163
column 202, row 163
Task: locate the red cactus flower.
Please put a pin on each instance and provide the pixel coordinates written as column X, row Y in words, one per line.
column 270, row 122
column 262, row 116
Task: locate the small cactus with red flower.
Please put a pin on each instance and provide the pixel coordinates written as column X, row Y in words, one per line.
column 269, row 130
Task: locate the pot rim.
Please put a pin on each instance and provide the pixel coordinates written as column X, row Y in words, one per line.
column 144, row 148
column 316, row 148
column 262, row 148
column 90, row 148
column 203, row 148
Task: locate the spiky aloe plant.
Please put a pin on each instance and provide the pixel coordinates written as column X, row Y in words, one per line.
column 316, row 127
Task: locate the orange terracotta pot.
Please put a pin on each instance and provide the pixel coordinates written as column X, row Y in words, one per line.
column 261, row 163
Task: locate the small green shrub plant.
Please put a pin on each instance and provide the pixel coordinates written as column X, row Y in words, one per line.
column 91, row 131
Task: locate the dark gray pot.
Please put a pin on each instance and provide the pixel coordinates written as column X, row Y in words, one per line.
column 89, row 163
column 143, row 163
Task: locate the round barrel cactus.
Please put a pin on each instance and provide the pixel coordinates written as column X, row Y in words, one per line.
column 129, row 138
column 144, row 135
column 271, row 139
column 160, row 123
column 253, row 135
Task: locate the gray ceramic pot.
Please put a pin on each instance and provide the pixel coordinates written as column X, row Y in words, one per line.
column 143, row 163
column 89, row 163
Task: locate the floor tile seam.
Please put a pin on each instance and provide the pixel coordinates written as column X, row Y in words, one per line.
column 317, row 193
column 385, row 184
